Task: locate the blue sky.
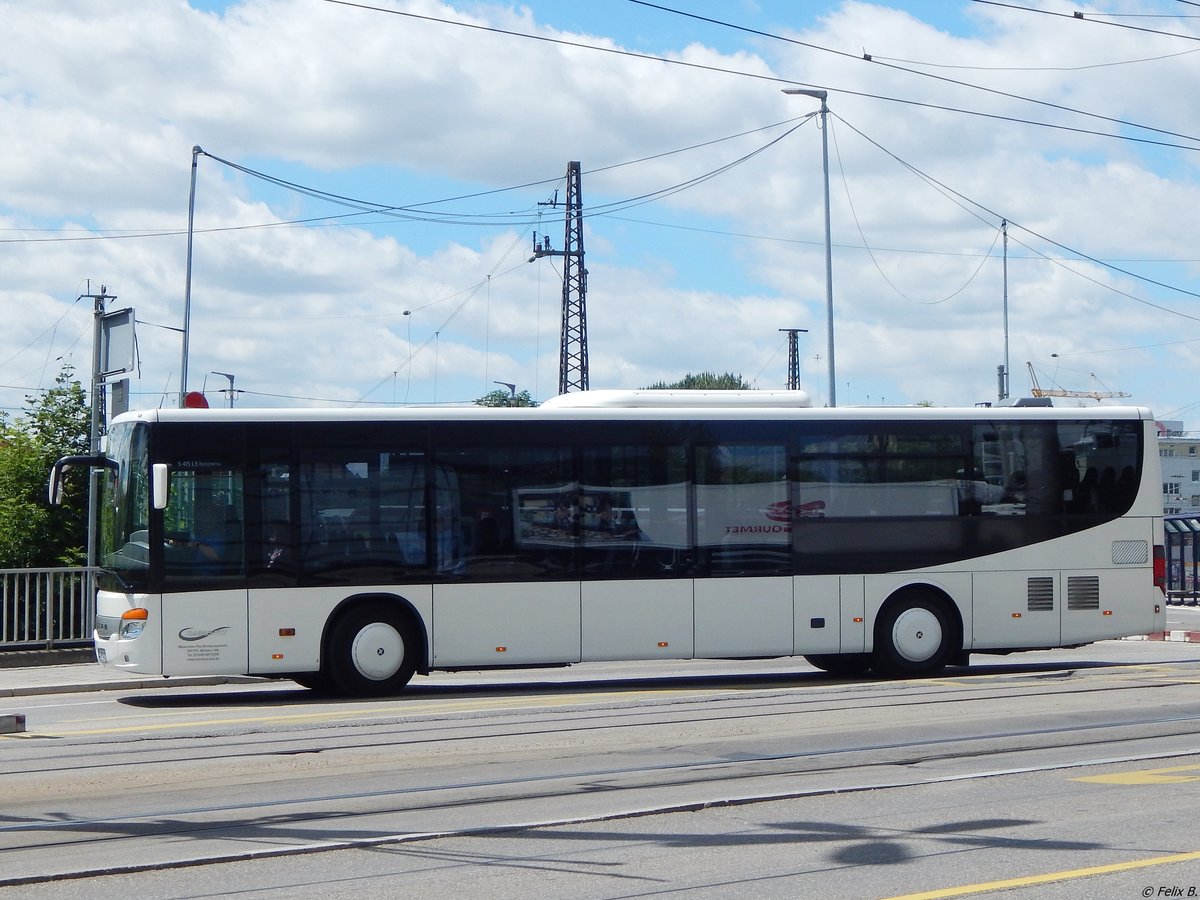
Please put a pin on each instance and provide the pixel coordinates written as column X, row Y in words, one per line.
column 398, row 110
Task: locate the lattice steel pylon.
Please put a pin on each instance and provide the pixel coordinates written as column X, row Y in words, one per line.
column 793, row 378
column 573, row 352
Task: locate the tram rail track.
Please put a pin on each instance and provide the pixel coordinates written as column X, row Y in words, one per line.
column 415, row 723
column 139, row 826
column 670, row 702
column 514, row 768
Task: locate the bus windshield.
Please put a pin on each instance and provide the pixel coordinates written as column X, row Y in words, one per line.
column 124, row 537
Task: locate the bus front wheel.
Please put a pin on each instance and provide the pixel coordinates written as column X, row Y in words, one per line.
column 915, row 635
column 371, row 652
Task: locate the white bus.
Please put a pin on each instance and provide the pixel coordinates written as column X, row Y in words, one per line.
column 351, row 549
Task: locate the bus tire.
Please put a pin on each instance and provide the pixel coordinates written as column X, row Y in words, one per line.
column 916, row 634
column 845, row 665
column 372, row 652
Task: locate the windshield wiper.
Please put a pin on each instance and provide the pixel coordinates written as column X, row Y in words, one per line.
column 116, row 575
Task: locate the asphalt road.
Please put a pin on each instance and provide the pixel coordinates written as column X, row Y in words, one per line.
column 1062, row 774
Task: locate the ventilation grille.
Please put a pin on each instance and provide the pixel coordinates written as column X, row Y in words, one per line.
column 1083, row 592
column 1041, row 594
column 1130, row 553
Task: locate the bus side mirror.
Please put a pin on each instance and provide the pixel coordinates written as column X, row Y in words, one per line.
column 59, row 472
column 55, row 489
column 159, row 482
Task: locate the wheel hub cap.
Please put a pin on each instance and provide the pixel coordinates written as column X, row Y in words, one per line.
column 378, row 651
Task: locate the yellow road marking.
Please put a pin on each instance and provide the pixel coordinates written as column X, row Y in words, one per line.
column 1146, row 776
column 1048, row 877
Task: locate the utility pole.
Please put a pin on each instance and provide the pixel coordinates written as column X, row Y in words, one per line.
column 187, row 288
column 97, row 423
column 231, row 390
column 1004, row 371
column 95, row 428
column 572, row 351
column 793, row 377
column 824, row 114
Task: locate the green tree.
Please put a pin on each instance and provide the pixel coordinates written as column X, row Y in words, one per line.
column 24, row 517
column 60, row 416
column 501, row 397
column 32, row 532
column 705, row 381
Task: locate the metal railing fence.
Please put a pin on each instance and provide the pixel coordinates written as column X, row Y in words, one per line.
column 45, row 608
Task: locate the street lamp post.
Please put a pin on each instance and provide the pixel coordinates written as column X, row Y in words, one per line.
column 512, row 391
column 231, row 391
column 187, row 288
column 824, row 113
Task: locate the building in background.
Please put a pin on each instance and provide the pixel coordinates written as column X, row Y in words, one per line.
column 1179, row 451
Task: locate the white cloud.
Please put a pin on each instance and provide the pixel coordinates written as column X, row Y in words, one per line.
column 103, row 101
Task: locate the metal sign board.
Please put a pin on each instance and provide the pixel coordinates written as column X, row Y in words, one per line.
column 120, row 397
column 117, row 343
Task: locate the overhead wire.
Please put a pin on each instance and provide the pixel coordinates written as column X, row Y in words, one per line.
column 532, row 216
column 366, row 207
column 978, row 87
column 1100, row 18
column 875, row 261
column 792, row 82
column 609, row 209
column 1079, row 254
column 1079, row 68
column 601, row 209
column 408, row 211
column 1003, row 93
column 655, row 195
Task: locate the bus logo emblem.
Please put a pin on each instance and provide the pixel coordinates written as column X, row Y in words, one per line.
column 197, row 634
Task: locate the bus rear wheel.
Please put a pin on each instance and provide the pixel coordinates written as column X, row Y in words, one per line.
column 915, row 635
column 372, row 652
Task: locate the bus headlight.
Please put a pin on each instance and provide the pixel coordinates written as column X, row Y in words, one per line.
column 132, row 622
column 131, row 629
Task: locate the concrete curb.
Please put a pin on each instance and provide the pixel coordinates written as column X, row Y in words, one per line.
column 1180, row 636
column 132, row 684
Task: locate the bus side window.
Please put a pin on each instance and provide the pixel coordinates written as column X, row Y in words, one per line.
column 274, row 551
column 515, row 512
column 634, row 511
column 743, row 510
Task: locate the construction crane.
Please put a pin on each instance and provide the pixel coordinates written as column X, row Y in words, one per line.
column 1038, row 391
